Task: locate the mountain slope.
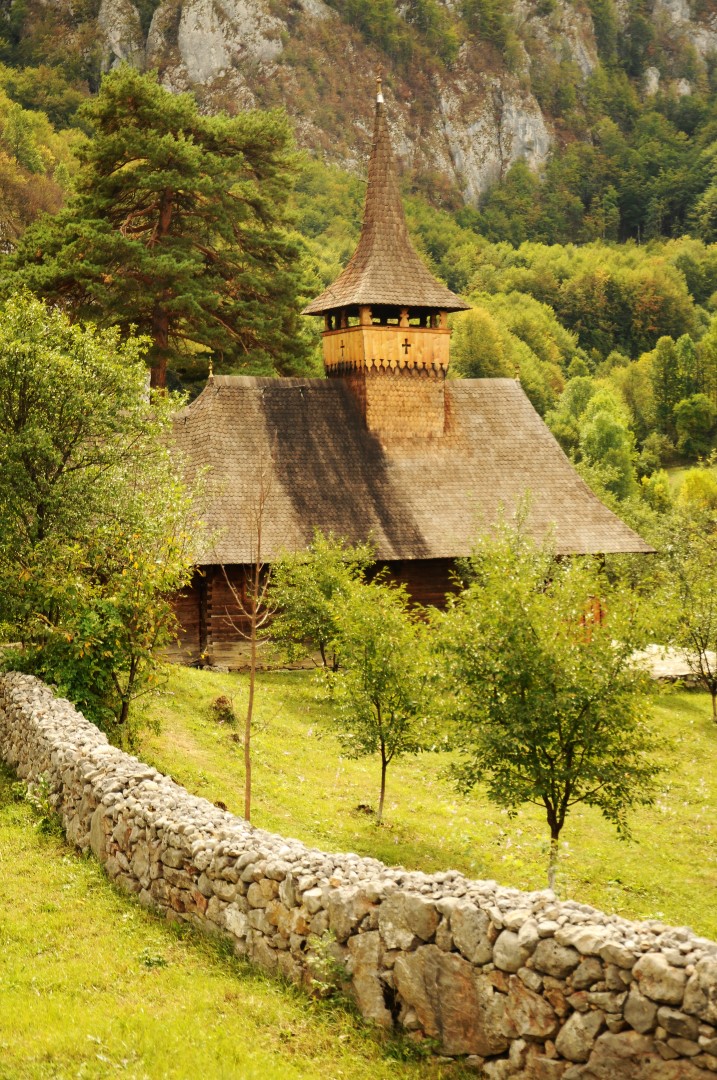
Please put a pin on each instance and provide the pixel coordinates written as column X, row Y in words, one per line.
column 471, row 86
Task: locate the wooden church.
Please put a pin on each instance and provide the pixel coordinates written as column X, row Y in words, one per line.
column 384, row 447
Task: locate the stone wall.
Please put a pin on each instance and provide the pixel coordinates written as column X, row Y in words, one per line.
column 526, row 986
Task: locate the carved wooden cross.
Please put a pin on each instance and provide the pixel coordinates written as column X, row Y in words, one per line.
column 342, row 347
column 406, row 346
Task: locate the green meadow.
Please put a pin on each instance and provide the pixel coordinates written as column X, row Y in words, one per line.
column 304, row 788
column 94, row 986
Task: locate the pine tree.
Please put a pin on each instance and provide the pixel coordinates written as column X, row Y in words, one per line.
column 177, row 228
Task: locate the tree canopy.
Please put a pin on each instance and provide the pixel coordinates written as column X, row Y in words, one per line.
column 96, row 529
column 548, row 704
column 177, row 228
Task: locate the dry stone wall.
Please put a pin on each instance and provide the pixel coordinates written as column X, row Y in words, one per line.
column 523, row 985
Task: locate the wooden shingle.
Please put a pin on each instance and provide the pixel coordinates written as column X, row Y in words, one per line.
column 416, row 497
column 385, row 268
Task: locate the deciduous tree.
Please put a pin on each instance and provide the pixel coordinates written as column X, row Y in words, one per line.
column 305, row 590
column 96, row 531
column 691, row 594
column 381, row 693
column 549, row 707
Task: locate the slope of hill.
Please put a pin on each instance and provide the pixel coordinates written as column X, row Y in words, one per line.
column 472, row 86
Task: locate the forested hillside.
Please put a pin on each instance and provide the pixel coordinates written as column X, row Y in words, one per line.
column 612, row 99
column 559, row 163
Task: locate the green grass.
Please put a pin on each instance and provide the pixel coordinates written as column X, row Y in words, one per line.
column 304, row 788
column 92, row 986
column 676, row 474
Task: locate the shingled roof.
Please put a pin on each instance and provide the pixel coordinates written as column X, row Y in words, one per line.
column 417, row 498
column 385, row 268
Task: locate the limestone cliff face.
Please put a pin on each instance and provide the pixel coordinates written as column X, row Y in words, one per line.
column 456, row 128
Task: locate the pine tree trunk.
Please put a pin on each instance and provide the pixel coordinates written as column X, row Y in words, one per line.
column 160, row 316
column 714, row 705
column 160, row 335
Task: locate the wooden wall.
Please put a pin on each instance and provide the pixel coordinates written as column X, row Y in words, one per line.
column 211, row 622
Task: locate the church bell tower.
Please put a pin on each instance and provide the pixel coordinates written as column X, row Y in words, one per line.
column 385, row 317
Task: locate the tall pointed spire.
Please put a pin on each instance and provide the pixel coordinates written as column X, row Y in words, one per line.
column 385, row 269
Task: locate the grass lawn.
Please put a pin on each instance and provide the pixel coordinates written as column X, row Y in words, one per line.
column 92, row 986
column 304, row 788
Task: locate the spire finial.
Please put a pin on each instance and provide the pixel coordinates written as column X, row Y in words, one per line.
column 210, row 379
column 379, row 88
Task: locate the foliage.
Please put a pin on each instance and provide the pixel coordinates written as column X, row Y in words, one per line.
column 328, row 970
column 548, row 703
column 418, row 31
column 306, row 590
column 222, row 710
column 95, row 526
column 605, row 440
column 646, row 171
column 38, row 795
column 690, row 595
column 36, row 166
column 655, row 489
column 694, row 422
column 478, row 347
column 44, row 89
column 381, row 693
column 177, row 229
column 698, row 490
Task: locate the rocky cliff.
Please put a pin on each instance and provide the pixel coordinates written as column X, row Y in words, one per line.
column 458, row 123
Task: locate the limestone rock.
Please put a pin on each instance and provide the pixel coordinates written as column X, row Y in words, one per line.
column 701, row 991
column 469, row 927
column 587, row 938
column 631, row 1055
column 588, row 972
column 640, row 1012
column 235, row 921
column 452, row 1004
column 527, row 1014
column 403, row 918
column 365, row 952
column 508, row 953
column 554, row 959
column 213, row 35
column 658, row 980
column 677, row 1023
column 347, row 908
column 576, row 1037
column 122, row 31
column 98, row 839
